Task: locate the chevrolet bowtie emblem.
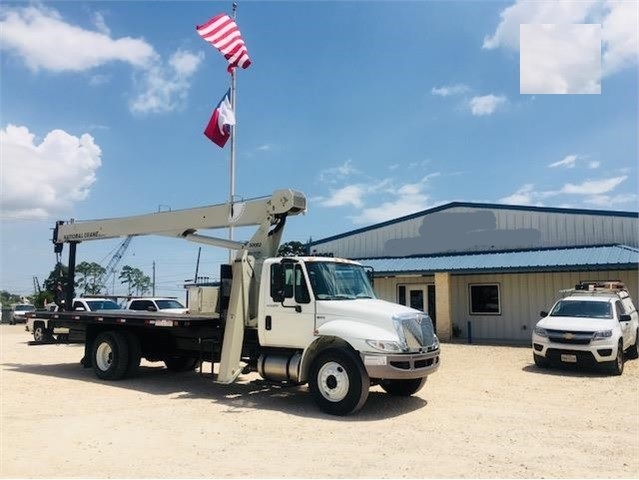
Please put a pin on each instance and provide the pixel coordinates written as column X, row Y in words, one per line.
column 569, row 336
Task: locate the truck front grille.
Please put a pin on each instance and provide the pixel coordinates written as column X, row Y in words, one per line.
column 570, row 338
column 418, row 333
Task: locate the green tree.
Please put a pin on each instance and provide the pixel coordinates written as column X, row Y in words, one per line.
column 89, row 276
column 7, row 298
column 135, row 279
column 290, row 249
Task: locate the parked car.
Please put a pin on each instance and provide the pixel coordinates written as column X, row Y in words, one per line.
column 18, row 312
column 594, row 324
column 157, row 304
column 41, row 332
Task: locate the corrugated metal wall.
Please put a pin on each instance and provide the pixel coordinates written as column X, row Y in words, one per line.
column 548, row 229
column 523, row 296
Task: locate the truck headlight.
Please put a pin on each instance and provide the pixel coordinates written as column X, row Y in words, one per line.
column 602, row 335
column 541, row 332
column 384, row 346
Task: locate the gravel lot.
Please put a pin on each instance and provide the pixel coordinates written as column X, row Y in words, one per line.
column 488, row 412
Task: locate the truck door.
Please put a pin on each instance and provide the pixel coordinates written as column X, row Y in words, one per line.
column 289, row 309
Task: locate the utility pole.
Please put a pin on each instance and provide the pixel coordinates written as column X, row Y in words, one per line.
column 154, row 278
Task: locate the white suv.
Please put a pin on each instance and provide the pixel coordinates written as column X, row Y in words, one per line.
column 593, row 325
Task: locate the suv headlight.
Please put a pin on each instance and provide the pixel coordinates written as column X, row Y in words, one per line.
column 541, row 332
column 385, row 346
column 602, row 335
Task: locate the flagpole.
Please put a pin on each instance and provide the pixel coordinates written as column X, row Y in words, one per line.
column 232, row 160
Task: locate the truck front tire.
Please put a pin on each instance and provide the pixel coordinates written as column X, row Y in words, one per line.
column 338, row 382
column 110, row 356
column 403, row 388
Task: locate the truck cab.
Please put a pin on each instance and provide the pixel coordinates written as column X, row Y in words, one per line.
column 309, row 305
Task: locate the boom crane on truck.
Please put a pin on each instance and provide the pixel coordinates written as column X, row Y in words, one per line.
column 269, row 213
column 295, row 320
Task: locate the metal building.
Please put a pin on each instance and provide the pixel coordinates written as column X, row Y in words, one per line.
column 487, row 270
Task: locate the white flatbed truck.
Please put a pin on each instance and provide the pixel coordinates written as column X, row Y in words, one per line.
column 295, row 320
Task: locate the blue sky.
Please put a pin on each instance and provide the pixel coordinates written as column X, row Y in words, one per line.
column 372, row 109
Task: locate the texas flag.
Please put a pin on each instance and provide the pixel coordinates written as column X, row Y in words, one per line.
column 219, row 128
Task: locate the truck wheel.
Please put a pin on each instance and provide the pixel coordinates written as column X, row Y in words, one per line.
column 135, row 354
column 181, row 364
column 110, row 356
column 403, row 388
column 41, row 334
column 616, row 367
column 633, row 351
column 540, row 361
column 338, row 381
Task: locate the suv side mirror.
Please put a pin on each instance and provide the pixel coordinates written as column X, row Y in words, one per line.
column 543, row 314
column 151, row 308
column 624, row 318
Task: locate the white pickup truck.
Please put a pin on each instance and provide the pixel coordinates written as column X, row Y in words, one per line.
column 41, row 332
column 594, row 324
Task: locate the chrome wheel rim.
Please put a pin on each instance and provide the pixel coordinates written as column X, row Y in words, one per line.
column 333, row 382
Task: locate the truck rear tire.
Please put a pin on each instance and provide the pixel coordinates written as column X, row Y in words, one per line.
column 403, row 388
column 110, row 355
column 338, row 382
column 181, row 364
column 616, row 367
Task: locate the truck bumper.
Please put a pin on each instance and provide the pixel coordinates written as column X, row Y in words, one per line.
column 401, row 366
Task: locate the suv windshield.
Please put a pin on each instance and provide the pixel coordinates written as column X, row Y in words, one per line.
column 581, row 308
column 339, row 281
column 102, row 305
column 164, row 304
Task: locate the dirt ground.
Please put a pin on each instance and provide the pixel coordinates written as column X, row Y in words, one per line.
column 488, row 412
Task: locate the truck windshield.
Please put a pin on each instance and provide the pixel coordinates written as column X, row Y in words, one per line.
column 582, row 308
column 339, row 281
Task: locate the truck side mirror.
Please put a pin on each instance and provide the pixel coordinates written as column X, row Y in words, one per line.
column 543, row 314
column 624, row 318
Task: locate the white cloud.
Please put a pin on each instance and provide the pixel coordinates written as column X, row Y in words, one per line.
column 340, row 172
column 348, row 195
column 609, row 200
column 264, row 148
column 618, row 19
column 593, row 187
column 592, row 191
column 485, row 105
column 568, row 161
column 164, row 88
column 43, row 40
column 560, row 59
column 409, row 198
column 39, row 180
column 524, row 196
column 446, row 91
column 594, row 164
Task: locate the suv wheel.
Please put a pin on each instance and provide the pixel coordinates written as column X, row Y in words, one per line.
column 616, row 367
column 633, row 351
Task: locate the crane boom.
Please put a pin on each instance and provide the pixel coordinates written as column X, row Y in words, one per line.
column 184, row 223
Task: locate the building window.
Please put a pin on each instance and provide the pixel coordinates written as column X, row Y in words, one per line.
column 485, row 299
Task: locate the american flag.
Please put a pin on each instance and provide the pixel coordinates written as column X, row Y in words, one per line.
column 221, row 31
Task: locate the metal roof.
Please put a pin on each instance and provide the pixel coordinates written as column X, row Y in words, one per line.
column 447, row 206
column 609, row 257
